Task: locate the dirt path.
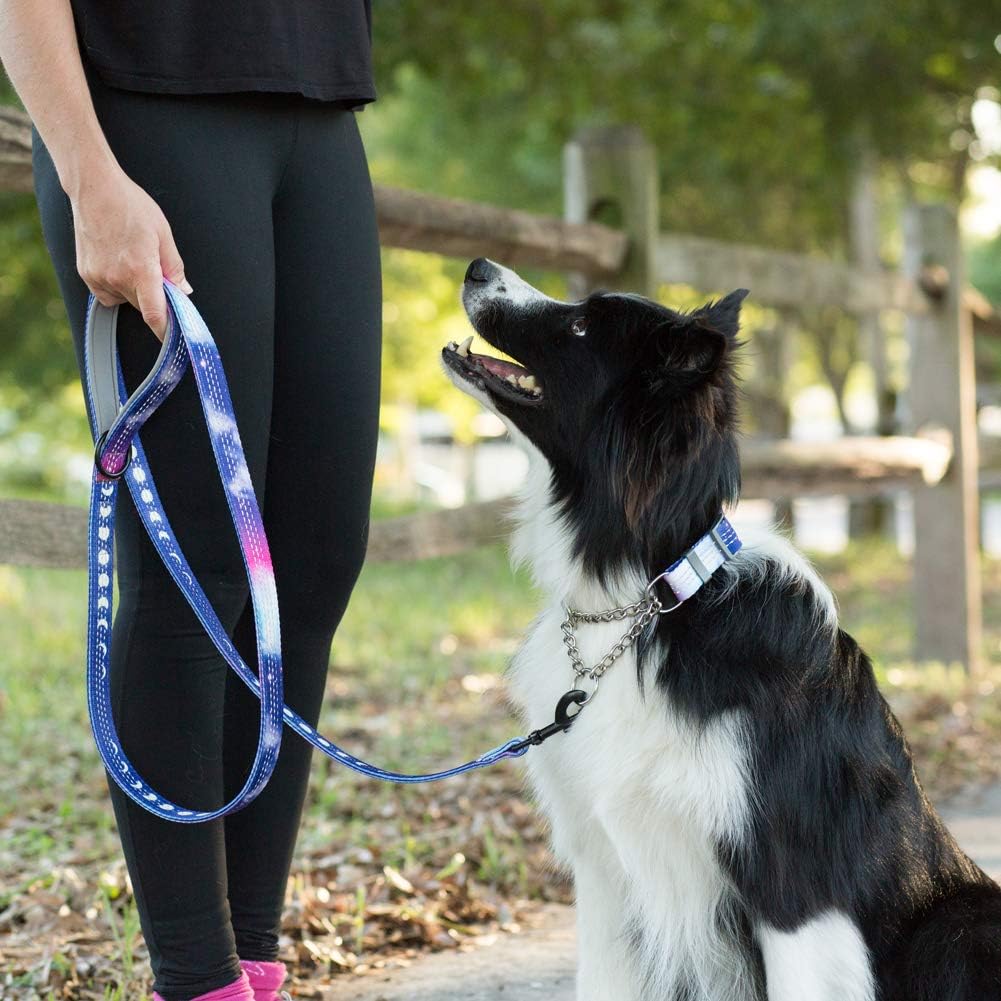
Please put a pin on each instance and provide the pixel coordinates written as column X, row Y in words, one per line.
column 535, row 965
column 975, row 820
column 539, row 964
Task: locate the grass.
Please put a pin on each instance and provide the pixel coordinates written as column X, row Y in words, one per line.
column 414, row 683
column 411, row 629
column 125, row 932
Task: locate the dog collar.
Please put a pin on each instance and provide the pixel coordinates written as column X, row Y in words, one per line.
column 684, row 577
column 698, row 563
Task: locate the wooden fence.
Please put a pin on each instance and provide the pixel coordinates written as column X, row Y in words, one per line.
column 938, row 462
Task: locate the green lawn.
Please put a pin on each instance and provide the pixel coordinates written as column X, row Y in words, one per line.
column 414, row 684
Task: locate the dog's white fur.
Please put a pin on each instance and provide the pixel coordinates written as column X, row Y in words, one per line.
column 824, row 958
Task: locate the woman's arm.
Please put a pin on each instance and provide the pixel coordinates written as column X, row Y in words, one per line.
column 123, row 242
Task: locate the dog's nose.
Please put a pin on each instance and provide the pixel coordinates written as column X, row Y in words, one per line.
column 480, row 270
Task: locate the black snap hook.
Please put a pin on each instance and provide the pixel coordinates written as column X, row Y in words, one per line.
column 561, row 723
column 575, row 697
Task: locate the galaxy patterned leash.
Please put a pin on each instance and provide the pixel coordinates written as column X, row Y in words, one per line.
column 116, row 420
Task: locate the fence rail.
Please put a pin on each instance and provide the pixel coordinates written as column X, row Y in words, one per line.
column 457, row 228
column 42, row 534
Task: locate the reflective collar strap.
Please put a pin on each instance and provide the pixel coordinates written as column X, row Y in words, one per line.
column 686, row 575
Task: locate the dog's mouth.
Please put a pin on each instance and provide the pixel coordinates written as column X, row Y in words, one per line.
column 506, row 379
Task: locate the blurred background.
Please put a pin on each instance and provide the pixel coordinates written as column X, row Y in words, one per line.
column 811, row 128
column 770, row 122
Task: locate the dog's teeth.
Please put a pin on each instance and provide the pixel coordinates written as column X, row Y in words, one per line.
column 536, row 391
column 452, row 345
column 463, row 349
column 526, row 381
column 512, row 380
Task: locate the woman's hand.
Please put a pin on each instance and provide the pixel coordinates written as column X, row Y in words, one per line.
column 124, row 246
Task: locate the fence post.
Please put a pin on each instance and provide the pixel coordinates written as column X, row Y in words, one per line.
column 942, row 393
column 610, row 176
column 872, row 515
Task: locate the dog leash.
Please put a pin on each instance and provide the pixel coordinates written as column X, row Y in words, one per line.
column 116, row 419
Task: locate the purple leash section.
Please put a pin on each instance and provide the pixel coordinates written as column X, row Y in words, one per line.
column 116, row 419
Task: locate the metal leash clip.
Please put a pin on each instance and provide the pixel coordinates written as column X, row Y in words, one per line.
column 562, row 721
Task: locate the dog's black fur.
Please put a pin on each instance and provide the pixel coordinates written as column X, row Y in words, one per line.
column 638, row 419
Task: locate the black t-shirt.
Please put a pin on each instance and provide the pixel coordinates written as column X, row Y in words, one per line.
column 320, row 48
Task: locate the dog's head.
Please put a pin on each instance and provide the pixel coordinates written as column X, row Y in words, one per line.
column 633, row 405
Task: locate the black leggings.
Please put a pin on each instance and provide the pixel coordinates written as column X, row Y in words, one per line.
column 270, row 203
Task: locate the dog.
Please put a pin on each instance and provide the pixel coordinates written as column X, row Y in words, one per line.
column 736, row 801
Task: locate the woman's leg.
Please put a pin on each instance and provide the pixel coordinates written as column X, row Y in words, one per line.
column 213, row 165
column 320, row 463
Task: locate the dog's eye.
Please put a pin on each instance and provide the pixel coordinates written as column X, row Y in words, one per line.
column 579, row 327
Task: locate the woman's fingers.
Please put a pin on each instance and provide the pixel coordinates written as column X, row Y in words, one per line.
column 106, row 297
column 150, row 299
column 171, row 263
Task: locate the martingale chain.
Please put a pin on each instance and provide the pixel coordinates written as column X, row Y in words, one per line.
column 642, row 611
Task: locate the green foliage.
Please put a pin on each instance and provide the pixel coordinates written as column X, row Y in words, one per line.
column 42, row 421
column 758, row 112
column 899, row 79
column 528, row 80
column 32, row 315
column 420, row 313
column 985, row 268
column 985, row 275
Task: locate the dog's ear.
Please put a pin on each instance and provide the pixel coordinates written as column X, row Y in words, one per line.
column 671, row 413
column 723, row 315
column 696, row 346
column 691, row 351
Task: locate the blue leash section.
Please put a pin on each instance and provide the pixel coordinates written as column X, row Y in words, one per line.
column 116, row 420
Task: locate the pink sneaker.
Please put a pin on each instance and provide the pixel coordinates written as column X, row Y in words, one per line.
column 265, row 979
column 239, row 990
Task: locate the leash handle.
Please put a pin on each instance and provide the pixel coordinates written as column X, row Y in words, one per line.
column 119, row 455
column 116, row 419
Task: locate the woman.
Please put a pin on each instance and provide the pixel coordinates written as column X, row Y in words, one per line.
column 224, row 132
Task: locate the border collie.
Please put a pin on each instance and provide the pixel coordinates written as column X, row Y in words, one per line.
column 736, row 801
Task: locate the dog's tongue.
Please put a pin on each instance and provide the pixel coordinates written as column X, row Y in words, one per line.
column 497, row 366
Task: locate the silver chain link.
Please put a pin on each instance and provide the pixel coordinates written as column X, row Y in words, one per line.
column 642, row 611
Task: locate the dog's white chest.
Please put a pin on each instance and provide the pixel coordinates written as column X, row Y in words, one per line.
column 628, row 749
column 635, row 793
